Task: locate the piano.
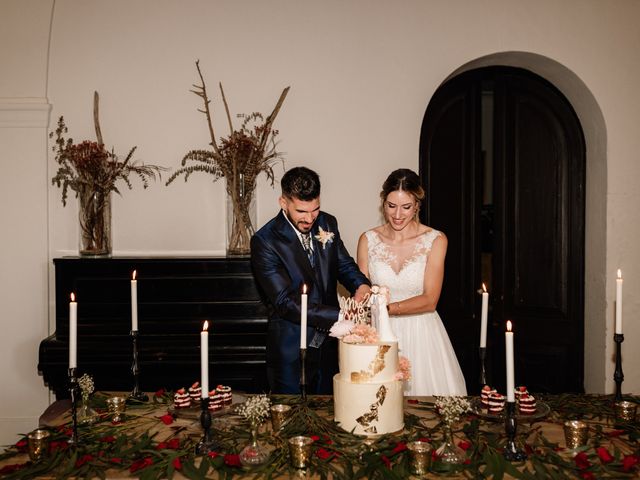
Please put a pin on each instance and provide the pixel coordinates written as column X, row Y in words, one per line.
column 175, row 297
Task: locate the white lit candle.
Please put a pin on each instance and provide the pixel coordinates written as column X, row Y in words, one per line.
column 204, row 360
column 483, row 317
column 73, row 332
column 303, row 317
column 508, row 340
column 619, row 303
column 134, row 302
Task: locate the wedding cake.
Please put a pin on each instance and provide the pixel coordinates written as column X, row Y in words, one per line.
column 368, row 391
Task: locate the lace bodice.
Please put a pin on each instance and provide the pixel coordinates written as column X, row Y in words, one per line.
column 398, row 268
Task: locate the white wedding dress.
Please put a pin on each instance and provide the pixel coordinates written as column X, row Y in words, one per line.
column 422, row 338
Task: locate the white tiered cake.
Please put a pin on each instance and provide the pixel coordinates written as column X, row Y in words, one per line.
column 368, row 397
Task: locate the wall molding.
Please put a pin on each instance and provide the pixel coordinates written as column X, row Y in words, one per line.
column 24, row 113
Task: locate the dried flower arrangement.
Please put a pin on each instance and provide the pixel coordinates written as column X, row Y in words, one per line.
column 92, row 171
column 239, row 158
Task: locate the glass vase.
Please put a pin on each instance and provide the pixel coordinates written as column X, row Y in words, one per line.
column 95, row 222
column 241, row 215
column 449, row 452
column 254, row 454
column 86, row 414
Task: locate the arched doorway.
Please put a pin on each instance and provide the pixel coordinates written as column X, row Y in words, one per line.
column 502, row 155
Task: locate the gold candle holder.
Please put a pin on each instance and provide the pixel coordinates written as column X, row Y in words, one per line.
column 626, row 410
column 38, row 441
column 117, row 406
column 419, row 457
column 279, row 415
column 300, row 451
column 576, row 433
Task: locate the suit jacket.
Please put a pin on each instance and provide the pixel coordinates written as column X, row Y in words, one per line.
column 281, row 267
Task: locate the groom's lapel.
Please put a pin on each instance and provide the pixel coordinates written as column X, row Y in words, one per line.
column 322, row 257
column 293, row 250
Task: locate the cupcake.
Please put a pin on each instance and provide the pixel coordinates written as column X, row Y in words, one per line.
column 484, row 395
column 215, row 401
column 181, row 399
column 527, row 405
column 496, row 402
column 227, row 396
column 195, row 392
column 521, row 392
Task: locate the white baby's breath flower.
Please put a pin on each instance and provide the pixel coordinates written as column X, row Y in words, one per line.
column 86, row 384
column 341, row 328
column 255, row 408
column 452, row 408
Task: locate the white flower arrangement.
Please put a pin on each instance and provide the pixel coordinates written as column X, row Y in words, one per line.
column 452, row 408
column 255, row 409
column 86, row 385
column 324, row 236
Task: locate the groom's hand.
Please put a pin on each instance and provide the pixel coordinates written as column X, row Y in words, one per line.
column 361, row 293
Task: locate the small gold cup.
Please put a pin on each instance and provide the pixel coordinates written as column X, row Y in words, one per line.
column 576, row 433
column 117, row 406
column 626, row 411
column 38, row 441
column 279, row 415
column 300, row 451
column 419, row 457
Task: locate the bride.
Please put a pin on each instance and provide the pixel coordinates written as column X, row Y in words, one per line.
column 408, row 258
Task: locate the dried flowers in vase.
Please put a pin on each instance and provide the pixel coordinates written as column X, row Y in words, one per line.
column 238, row 158
column 255, row 410
column 92, row 171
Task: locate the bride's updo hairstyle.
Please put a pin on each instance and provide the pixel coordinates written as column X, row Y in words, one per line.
column 405, row 180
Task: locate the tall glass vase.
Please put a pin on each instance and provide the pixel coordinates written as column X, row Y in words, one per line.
column 449, row 452
column 95, row 222
column 254, row 454
column 241, row 215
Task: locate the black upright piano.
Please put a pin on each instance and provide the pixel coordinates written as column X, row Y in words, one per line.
column 175, row 297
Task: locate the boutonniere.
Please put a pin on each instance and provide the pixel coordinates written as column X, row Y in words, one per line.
column 324, row 237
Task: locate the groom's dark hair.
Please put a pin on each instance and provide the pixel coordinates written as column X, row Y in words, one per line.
column 301, row 183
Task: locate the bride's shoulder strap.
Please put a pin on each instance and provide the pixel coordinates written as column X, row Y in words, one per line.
column 429, row 237
column 372, row 237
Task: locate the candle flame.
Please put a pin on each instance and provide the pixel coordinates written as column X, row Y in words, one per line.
column 133, row 275
column 205, row 327
column 304, row 288
column 484, row 287
column 619, row 273
column 73, row 297
column 509, row 325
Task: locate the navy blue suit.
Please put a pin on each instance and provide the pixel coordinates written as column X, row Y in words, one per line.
column 281, row 267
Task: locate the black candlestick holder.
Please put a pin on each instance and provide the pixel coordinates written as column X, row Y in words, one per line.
column 511, row 450
column 136, row 394
column 303, row 374
column 207, row 443
column 482, row 352
column 73, row 391
column 618, row 376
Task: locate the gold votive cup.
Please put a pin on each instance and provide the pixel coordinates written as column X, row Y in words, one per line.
column 300, row 451
column 626, row 410
column 117, row 406
column 279, row 415
column 576, row 433
column 419, row 457
column 38, row 441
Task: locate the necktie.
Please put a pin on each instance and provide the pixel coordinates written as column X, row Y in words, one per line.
column 306, row 244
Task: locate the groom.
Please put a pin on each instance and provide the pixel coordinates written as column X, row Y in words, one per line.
column 302, row 245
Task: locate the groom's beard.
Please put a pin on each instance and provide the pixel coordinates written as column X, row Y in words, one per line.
column 300, row 225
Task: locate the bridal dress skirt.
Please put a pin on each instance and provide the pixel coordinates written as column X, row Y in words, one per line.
column 434, row 367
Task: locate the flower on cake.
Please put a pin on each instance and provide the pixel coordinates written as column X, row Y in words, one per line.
column 404, row 369
column 324, row 237
column 341, row 328
column 361, row 333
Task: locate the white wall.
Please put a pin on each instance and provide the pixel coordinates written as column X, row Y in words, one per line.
column 361, row 74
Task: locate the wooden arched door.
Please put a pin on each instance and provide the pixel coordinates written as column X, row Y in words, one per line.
column 502, row 157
